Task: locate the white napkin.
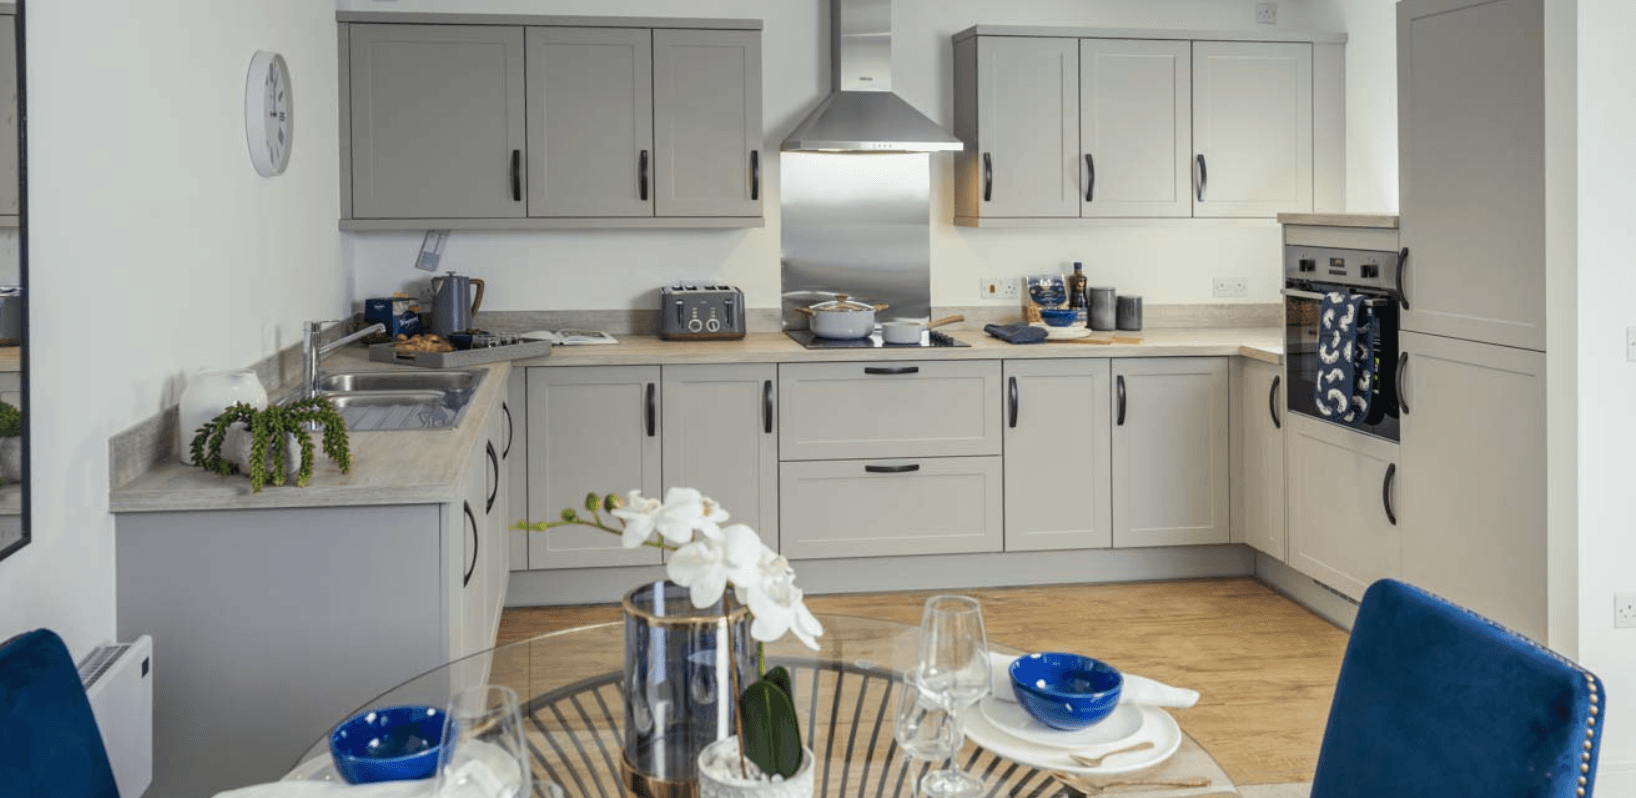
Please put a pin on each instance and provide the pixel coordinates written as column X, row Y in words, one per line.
column 332, row 789
column 1137, row 689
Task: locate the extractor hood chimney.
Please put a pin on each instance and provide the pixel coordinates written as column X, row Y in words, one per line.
column 862, row 114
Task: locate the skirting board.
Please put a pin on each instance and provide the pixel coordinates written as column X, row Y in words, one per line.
column 919, row 572
column 1306, row 591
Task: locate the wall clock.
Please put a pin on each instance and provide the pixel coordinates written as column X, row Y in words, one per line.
column 268, row 118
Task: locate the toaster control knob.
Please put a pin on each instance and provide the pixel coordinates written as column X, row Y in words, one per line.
column 713, row 325
column 694, row 324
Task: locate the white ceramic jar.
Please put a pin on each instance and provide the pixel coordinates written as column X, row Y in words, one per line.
column 208, row 393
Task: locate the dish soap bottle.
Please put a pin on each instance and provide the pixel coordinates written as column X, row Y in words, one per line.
column 1076, row 287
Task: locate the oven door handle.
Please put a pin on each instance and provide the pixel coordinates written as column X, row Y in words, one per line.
column 1299, row 294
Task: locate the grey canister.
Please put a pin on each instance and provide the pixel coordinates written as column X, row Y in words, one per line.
column 1130, row 313
column 1101, row 302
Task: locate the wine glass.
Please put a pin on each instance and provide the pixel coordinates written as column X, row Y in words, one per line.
column 952, row 674
column 925, row 729
column 483, row 753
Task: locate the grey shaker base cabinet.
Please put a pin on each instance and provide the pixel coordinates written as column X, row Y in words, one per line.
column 1258, row 457
column 554, row 123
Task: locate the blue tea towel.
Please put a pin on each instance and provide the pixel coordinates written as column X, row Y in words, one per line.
column 1019, row 333
column 1346, row 355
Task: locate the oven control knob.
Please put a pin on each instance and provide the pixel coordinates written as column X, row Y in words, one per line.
column 1308, row 265
column 1370, row 271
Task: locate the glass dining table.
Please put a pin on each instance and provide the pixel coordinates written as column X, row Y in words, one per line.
column 570, row 686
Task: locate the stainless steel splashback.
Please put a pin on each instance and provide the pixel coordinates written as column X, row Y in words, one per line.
column 856, row 225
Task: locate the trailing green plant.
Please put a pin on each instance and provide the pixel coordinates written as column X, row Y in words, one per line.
column 271, row 431
column 11, row 421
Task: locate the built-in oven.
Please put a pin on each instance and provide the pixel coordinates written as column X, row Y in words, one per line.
column 1311, row 272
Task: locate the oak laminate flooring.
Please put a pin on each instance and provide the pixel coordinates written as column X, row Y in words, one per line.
column 1264, row 665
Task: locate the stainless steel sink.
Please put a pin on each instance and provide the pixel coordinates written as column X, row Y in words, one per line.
column 419, row 380
column 398, row 400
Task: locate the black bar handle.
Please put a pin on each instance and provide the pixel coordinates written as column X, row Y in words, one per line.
column 516, row 175
column 898, row 469
column 494, row 464
column 642, row 167
column 471, row 518
column 1386, row 492
column 767, row 406
column 755, row 174
column 1013, row 391
column 897, row 370
column 511, row 430
column 1402, row 366
column 1121, row 385
column 1204, row 175
column 1272, row 402
column 1090, row 184
column 1402, row 294
column 988, row 177
column 652, row 408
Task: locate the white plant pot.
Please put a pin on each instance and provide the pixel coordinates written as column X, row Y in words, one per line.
column 11, row 459
column 209, row 392
column 719, row 775
column 236, row 449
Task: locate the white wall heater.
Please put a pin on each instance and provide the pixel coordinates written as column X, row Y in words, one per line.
column 119, row 681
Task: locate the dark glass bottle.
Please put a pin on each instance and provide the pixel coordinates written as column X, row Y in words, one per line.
column 1076, row 286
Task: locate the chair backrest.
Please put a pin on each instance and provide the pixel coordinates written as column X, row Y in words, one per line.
column 1434, row 699
column 49, row 743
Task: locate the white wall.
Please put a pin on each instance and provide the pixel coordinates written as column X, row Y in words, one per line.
column 155, row 249
column 1165, row 261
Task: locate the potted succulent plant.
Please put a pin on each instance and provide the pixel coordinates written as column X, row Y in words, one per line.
column 278, row 443
column 11, row 443
column 722, row 565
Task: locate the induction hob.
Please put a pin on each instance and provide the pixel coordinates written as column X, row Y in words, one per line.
column 929, row 338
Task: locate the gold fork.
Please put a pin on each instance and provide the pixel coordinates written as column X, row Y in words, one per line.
column 1096, row 761
column 1079, row 785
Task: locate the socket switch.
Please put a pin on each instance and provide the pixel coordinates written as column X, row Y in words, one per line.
column 998, row 288
column 1266, row 13
column 1230, row 286
column 1624, row 609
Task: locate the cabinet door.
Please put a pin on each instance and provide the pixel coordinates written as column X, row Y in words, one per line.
column 1057, row 454
column 514, row 454
column 868, row 508
column 1473, row 482
column 1252, row 128
column 1028, row 127
column 9, row 189
column 437, row 121
column 1342, row 504
column 590, row 122
column 1471, row 138
column 919, row 408
column 707, row 122
column 1258, row 449
column 1135, row 130
column 1170, row 441
column 721, row 437
column 591, row 430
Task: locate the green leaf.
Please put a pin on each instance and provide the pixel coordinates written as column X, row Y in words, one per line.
column 772, row 732
column 781, row 677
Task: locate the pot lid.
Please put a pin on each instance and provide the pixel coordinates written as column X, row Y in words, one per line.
column 843, row 304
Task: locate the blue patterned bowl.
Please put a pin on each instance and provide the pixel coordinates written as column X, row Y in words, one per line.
column 1066, row 691
column 392, row 744
column 1059, row 317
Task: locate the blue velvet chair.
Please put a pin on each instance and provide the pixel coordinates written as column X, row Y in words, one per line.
column 49, row 743
column 1435, row 700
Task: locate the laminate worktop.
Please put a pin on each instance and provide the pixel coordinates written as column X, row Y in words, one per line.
column 423, row 466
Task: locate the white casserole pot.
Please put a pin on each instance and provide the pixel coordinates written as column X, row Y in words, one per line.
column 842, row 318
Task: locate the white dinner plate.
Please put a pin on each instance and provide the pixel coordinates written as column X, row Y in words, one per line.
column 1068, row 333
column 1157, row 727
column 1124, row 721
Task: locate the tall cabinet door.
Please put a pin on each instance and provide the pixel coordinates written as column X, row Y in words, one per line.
column 1170, row 451
column 1252, row 128
column 591, row 430
column 437, row 127
column 1258, row 449
column 1471, row 169
column 707, row 122
column 1057, row 454
column 9, row 189
column 1473, row 487
column 1343, row 505
column 1028, row 126
column 590, row 122
column 1135, row 131
column 721, row 437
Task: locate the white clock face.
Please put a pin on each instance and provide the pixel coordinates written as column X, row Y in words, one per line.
column 269, row 118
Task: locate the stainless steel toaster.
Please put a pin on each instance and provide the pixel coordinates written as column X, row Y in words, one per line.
column 700, row 311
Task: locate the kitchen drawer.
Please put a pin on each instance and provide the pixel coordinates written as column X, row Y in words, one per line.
column 865, row 508
column 901, row 408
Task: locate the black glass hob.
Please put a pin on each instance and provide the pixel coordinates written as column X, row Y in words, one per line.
column 929, row 338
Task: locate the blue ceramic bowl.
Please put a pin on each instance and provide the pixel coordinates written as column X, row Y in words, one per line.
column 1059, row 317
column 392, row 744
column 1066, row 691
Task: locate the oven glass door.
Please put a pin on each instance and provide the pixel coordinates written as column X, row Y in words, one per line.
column 1301, row 309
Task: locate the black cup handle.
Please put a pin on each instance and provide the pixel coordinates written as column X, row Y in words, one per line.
column 511, row 430
column 898, row 469
column 755, row 174
column 494, row 465
column 1090, row 170
column 1272, row 402
column 1204, row 176
column 1402, row 366
column 516, row 175
column 652, row 409
column 1402, row 262
column 476, row 541
column 1121, row 386
column 988, row 177
column 642, row 166
column 767, row 406
column 1386, row 492
column 1013, row 391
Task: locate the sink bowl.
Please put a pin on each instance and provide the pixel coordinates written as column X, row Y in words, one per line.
column 346, row 399
column 366, row 411
column 418, row 380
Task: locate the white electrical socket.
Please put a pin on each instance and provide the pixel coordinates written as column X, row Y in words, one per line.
column 1266, row 13
column 1624, row 610
column 1630, row 344
column 1230, row 286
column 998, row 288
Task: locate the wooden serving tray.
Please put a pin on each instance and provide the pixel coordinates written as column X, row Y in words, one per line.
column 530, row 347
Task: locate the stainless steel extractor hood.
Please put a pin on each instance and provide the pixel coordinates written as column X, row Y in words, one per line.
column 863, row 115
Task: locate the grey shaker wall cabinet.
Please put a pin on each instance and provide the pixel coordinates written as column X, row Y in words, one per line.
column 523, row 122
column 1170, row 451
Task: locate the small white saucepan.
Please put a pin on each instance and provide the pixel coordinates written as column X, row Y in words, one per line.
column 907, row 331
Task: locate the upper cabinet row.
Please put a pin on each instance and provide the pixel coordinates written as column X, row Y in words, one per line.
column 489, row 126
column 1064, row 127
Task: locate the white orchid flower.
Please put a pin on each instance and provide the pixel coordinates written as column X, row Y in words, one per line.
column 706, row 565
column 776, row 603
column 638, row 515
column 683, row 512
column 714, row 515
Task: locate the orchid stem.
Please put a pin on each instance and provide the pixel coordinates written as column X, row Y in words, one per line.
column 732, row 678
